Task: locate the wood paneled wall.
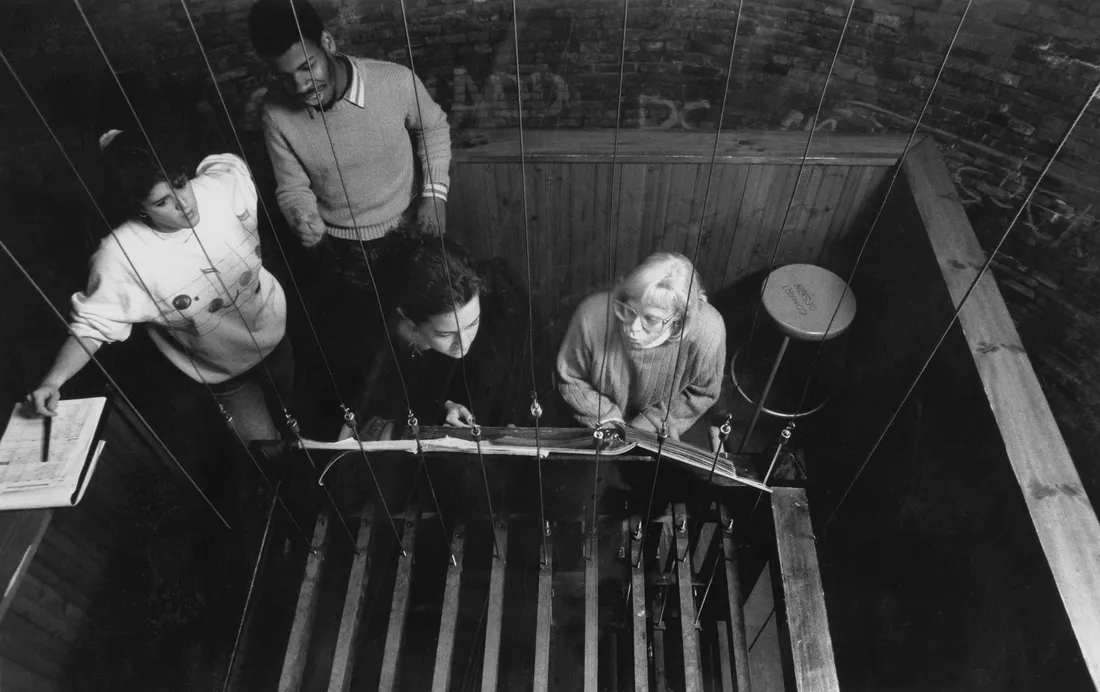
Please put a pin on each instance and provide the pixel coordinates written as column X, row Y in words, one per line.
column 596, row 208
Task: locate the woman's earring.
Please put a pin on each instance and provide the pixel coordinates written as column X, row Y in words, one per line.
column 142, row 215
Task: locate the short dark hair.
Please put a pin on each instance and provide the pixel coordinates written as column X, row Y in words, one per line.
column 130, row 170
column 426, row 276
column 273, row 28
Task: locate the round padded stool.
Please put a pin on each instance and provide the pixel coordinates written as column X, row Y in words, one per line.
column 801, row 300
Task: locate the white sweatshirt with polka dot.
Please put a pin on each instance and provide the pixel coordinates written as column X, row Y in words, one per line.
column 203, row 293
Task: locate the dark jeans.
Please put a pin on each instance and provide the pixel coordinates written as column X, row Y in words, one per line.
column 244, row 396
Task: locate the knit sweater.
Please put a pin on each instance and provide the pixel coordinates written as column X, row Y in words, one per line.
column 370, row 129
column 187, row 306
column 635, row 383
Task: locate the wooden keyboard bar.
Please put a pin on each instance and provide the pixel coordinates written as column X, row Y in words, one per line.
column 448, row 621
column 664, row 542
column 399, row 608
column 490, row 669
column 592, row 611
column 693, row 679
column 637, row 593
column 544, row 617
column 343, row 660
column 660, row 677
column 811, row 644
column 724, row 657
column 736, row 604
column 297, row 648
column 702, row 546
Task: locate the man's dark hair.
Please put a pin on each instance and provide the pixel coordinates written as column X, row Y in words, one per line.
column 130, row 171
column 424, row 277
column 273, row 29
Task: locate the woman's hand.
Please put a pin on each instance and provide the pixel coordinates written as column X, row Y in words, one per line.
column 458, row 416
column 44, row 400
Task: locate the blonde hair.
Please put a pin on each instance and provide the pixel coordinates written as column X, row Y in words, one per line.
column 664, row 280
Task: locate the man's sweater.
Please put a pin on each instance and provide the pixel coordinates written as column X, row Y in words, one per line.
column 370, row 128
column 635, row 384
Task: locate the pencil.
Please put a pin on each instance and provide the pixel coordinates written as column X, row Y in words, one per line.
column 47, row 430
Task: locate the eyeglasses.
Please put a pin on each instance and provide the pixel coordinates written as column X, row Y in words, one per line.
column 649, row 323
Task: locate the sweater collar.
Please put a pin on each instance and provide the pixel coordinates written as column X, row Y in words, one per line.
column 356, row 92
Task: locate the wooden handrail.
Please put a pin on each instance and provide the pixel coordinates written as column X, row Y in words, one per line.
column 1064, row 519
column 645, row 146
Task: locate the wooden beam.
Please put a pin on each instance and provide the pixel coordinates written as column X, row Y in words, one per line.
column 399, row 606
column 592, row 611
column 301, row 630
column 660, row 677
column 1064, row 519
column 736, row 604
column 490, row 669
column 744, row 147
column 807, row 621
column 693, row 679
column 665, row 540
column 725, row 668
column 702, row 546
column 543, row 619
column 21, row 533
column 343, row 660
column 448, row 621
column 637, row 594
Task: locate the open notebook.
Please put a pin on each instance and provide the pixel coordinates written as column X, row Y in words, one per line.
column 33, row 475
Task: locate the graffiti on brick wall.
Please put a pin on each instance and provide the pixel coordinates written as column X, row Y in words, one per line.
column 543, row 93
column 657, row 112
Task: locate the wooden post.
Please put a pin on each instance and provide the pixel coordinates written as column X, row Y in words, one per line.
column 448, row 621
column 543, row 618
column 736, row 604
column 297, row 648
column 490, row 669
column 637, row 591
column 811, row 644
column 664, row 542
column 693, row 679
column 343, row 661
column 660, row 677
column 592, row 612
column 702, row 546
column 399, row 607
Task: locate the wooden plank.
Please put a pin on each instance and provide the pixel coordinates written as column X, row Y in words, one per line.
column 643, row 146
column 735, row 600
column 19, row 678
column 20, row 535
column 725, row 669
column 811, row 643
column 824, row 209
column 660, row 676
column 693, row 679
column 592, row 611
column 448, row 621
column 343, row 661
column 1064, row 518
column 765, row 656
column 490, row 669
column 702, row 546
column 637, row 595
column 399, row 606
column 730, row 199
column 45, row 607
column 543, row 619
column 665, row 540
column 750, row 221
column 631, row 206
column 301, row 630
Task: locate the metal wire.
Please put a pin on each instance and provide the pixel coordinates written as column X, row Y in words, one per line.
column 370, row 273
column 447, row 275
column 962, row 302
column 164, row 172
column 38, row 289
column 794, row 191
column 611, row 258
column 663, row 433
column 885, row 199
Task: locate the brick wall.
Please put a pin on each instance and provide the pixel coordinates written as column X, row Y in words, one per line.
column 1020, row 71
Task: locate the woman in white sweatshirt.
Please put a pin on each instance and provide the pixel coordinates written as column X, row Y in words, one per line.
column 185, row 263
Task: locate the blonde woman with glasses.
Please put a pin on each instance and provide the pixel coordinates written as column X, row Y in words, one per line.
column 664, row 338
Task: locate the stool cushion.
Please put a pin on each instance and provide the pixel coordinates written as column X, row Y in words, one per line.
column 802, row 298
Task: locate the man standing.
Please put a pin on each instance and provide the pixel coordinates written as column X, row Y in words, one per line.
column 352, row 174
column 358, row 148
